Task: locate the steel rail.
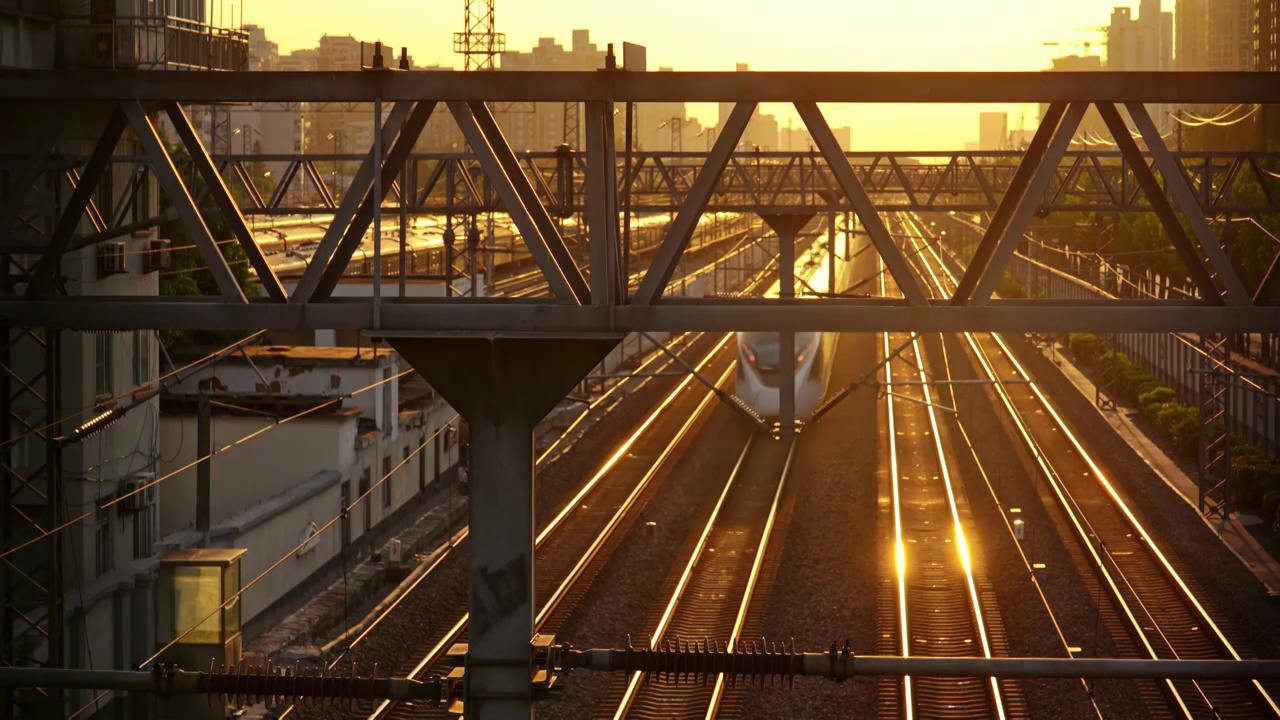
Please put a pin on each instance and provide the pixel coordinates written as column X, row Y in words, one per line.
column 912, row 690
column 1009, row 526
column 1072, row 511
column 456, row 539
column 717, row 693
column 1083, row 527
column 438, row 651
column 687, row 574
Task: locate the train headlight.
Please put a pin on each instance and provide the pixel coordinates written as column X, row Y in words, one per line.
column 806, row 352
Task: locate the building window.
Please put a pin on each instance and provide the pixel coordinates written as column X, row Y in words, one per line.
column 386, row 482
column 366, row 502
column 102, row 553
column 141, row 357
column 103, row 365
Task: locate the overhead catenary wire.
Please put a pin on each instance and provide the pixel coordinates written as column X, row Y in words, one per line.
column 211, row 357
column 1197, row 121
column 141, row 488
column 283, row 558
column 1218, row 364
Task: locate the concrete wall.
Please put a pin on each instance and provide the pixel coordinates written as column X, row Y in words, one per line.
column 274, row 528
column 253, row 471
column 296, row 377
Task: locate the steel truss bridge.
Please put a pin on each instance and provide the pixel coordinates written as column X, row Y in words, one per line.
column 535, row 188
column 503, row 363
column 753, row 182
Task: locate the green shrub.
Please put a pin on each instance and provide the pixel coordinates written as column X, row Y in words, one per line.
column 1271, row 509
column 1133, row 378
column 1009, row 287
column 1083, row 345
column 1158, row 395
column 1181, row 425
column 1271, row 502
column 1254, row 481
column 1154, row 402
column 1147, row 386
column 1244, row 453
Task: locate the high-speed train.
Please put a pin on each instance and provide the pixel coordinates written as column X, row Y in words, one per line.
column 759, row 353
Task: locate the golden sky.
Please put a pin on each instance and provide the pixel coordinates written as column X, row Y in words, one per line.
column 767, row 34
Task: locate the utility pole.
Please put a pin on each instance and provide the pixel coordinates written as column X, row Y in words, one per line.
column 204, row 466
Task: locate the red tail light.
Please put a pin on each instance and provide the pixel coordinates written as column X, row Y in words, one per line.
column 751, row 357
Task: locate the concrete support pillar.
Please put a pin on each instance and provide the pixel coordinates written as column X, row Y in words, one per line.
column 787, row 227
column 503, row 387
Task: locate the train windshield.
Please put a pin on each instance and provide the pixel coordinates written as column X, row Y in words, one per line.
column 763, row 349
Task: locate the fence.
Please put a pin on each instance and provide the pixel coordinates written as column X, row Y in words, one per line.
column 150, row 43
column 1175, row 358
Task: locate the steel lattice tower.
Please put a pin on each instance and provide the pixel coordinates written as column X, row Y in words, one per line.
column 478, row 42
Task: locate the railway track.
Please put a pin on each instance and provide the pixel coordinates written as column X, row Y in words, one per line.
column 1165, row 618
column 713, row 595
column 604, row 403
column 566, row 592
column 938, row 608
column 569, row 545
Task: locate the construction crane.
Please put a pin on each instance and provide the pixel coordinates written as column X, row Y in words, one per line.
column 1079, row 46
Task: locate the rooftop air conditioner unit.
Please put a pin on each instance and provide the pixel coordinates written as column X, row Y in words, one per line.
column 138, row 492
column 110, row 259
column 158, row 256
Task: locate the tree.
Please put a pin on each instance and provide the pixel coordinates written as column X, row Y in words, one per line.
column 189, row 275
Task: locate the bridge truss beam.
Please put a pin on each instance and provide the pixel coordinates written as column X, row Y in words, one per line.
column 682, row 183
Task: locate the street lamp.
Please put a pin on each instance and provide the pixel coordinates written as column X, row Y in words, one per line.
column 243, row 131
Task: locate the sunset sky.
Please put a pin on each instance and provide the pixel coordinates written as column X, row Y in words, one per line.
column 767, row 34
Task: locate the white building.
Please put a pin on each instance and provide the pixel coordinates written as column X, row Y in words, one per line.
column 1143, row 44
column 99, row 581
column 268, row 492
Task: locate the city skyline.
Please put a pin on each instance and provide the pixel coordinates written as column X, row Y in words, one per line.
column 706, row 37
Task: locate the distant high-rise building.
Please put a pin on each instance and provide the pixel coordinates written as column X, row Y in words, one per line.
column 1091, row 126
column 1266, row 28
column 661, row 126
column 1142, row 43
column 1265, row 42
column 263, row 54
column 993, row 131
column 1191, row 49
column 541, row 126
column 762, row 129
column 1215, row 35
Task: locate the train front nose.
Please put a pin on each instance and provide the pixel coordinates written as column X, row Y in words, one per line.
column 759, row 372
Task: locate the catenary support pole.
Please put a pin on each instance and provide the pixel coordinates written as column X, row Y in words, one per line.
column 787, row 227
column 503, row 386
